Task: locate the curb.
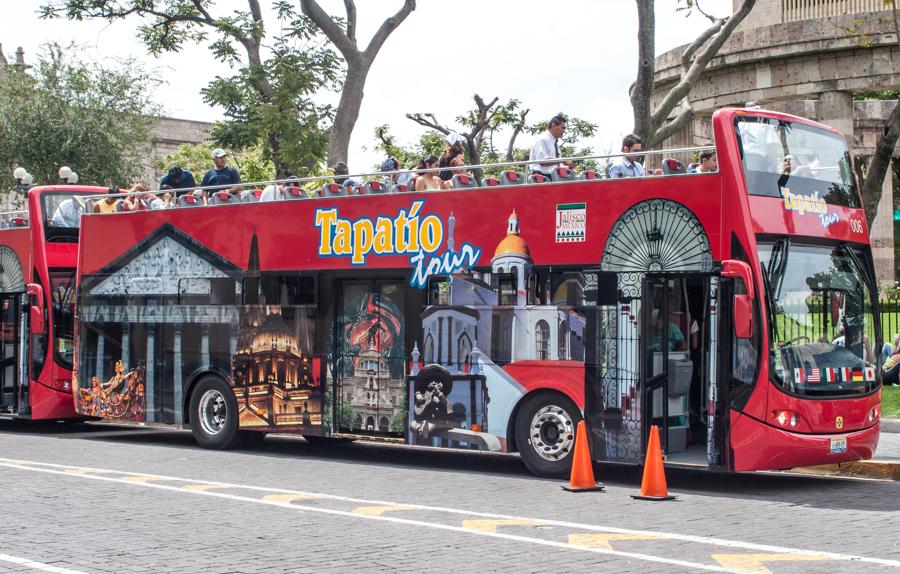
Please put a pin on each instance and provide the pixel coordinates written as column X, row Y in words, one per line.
column 883, row 469
column 890, row 425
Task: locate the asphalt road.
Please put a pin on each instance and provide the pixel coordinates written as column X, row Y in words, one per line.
column 89, row 498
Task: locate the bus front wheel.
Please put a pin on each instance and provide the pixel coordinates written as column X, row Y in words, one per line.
column 545, row 433
column 214, row 415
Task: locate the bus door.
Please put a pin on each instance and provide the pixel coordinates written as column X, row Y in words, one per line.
column 678, row 351
column 11, row 344
column 369, row 365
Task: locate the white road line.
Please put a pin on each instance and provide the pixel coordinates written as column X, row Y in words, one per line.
column 37, row 565
column 35, row 466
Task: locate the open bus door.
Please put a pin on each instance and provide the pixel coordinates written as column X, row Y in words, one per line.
column 21, row 315
column 680, row 370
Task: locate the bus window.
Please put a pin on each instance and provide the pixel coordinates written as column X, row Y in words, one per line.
column 62, row 284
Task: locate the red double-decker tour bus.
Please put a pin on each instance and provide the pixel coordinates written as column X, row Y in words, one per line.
column 733, row 308
column 38, row 255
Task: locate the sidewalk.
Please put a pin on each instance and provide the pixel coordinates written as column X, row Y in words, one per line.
column 885, row 464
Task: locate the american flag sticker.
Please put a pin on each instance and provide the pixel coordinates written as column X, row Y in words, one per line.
column 870, row 374
column 799, row 376
column 814, row 376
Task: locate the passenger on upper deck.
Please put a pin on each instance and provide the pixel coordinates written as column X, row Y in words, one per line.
column 708, row 162
column 390, row 164
column 429, row 180
column 340, row 173
column 157, row 202
column 221, row 174
column 68, row 212
column 108, row 203
column 178, row 179
column 628, row 165
column 133, row 202
column 547, row 147
column 452, row 156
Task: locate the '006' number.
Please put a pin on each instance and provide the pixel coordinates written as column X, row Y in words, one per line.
column 856, row 225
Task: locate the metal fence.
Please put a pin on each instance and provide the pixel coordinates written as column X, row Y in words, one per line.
column 890, row 318
column 792, row 10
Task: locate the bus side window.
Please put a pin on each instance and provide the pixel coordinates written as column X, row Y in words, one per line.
column 505, row 284
column 438, row 290
column 250, row 291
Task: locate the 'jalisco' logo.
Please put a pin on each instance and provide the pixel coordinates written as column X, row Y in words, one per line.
column 407, row 233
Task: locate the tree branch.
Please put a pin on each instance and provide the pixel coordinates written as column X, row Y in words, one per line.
column 386, row 28
column 520, row 125
column 345, row 45
column 432, row 124
column 677, row 124
column 699, row 63
column 350, row 7
column 878, row 166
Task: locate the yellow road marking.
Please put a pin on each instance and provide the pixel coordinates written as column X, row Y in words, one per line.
column 76, row 471
column 379, row 510
column 202, row 487
column 753, row 563
column 287, row 498
column 141, row 479
column 603, row 540
column 491, row 525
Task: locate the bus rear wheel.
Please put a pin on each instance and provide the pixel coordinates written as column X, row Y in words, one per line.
column 545, row 433
column 214, row 415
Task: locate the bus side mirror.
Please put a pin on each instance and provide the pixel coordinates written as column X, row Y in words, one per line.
column 743, row 316
column 734, row 269
column 36, row 299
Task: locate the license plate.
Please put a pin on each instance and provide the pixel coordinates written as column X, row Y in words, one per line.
column 838, row 445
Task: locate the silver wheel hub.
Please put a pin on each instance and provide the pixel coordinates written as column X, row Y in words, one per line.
column 213, row 412
column 552, row 433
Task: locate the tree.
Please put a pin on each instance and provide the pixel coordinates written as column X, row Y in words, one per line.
column 654, row 124
column 489, row 121
column 269, row 100
column 92, row 118
column 342, row 34
column 872, row 176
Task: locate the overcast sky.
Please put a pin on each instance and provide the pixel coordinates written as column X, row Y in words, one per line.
column 575, row 56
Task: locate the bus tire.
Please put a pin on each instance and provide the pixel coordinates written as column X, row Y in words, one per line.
column 214, row 414
column 545, row 433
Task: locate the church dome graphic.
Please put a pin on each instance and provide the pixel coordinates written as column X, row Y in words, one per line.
column 512, row 244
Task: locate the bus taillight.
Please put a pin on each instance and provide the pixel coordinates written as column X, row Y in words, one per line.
column 786, row 418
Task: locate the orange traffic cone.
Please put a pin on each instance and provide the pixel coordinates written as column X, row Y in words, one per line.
column 653, row 485
column 582, row 479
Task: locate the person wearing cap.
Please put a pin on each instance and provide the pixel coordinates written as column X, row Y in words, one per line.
column 68, row 212
column 453, row 156
column 547, row 147
column 390, row 165
column 180, row 180
column 221, row 175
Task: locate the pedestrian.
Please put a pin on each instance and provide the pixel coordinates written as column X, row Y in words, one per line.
column 221, row 175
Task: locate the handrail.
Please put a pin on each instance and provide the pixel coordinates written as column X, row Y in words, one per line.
column 360, row 177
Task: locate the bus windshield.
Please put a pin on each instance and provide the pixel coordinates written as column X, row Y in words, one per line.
column 821, row 321
column 780, row 155
column 62, row 283
column 62, row 210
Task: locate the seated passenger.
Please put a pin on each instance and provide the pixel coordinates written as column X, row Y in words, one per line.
column 133, row 202
column 453, row 156
column 161, row 201
column 890, row 371
column 108, row 203
column 340, row 175
column 68, row 212
column 272, row 192
column 628, row 165
column 708, row 162
column 390, row 165
column 430, row 180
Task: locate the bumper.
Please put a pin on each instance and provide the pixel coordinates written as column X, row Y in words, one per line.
column 47, row 403
column 758, row 446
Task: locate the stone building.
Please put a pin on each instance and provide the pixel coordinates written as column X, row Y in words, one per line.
column 805, row 57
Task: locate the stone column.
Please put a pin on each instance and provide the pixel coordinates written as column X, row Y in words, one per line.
column 150, row 376
column 836, row 110
column 126, row 332
column 101, row 350
column 178, row 364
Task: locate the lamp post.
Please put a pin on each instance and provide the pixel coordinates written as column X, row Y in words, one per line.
column 23, row 182
column 67, row 175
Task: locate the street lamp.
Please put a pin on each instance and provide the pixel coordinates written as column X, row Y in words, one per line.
column 64, row 172
column 73, row 178
column 23, row 180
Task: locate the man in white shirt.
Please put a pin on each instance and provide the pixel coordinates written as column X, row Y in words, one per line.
column 68, row 212
column 628, row 165
column 547, row 147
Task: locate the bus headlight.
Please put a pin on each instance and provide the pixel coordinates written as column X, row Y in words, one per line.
column 787, row 418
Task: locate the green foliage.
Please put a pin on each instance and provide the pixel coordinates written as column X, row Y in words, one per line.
column 877, row 95
column 430, row 143
column 268, row 100
column 94, row 119
column 890, row 402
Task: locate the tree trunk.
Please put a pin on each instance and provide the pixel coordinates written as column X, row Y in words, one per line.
column 880, row 164
column 642, row 90
column 347, row 112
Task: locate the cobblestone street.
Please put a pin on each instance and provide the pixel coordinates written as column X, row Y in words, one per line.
column 105, row 499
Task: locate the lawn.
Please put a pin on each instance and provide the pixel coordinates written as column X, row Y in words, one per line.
column 890, row 402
